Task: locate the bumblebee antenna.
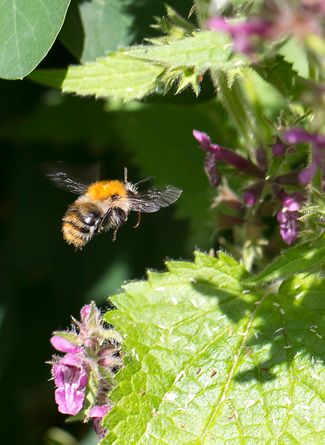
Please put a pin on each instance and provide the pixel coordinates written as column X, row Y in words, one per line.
column 125, row 174
column 144, row 180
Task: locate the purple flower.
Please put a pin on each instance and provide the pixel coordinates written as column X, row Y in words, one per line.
column 288, row 218
column 70, row 376
column 217, row 153
column 97, row 413
column 241, row 33
column 301, row 136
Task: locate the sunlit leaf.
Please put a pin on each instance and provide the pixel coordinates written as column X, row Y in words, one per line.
column 118, row 76
column 211, row 363
column 135, row 73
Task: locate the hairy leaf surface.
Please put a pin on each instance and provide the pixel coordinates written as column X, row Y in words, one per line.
column 213, row 363
column 137, row 72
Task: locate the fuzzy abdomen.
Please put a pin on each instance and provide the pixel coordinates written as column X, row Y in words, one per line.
column 80, row 222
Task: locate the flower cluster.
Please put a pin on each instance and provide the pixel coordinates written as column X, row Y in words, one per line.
column 84, row 375
column 276, row 21
column 286, row 204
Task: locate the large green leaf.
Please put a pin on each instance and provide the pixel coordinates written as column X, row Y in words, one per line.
column 27, row 32
column 212, row 363
column 137, row 72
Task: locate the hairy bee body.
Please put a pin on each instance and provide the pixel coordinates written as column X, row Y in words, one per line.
column 105, row 205
column 80, row 223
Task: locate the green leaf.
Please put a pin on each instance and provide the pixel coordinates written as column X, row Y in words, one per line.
column 295, row 260
column 137, row 72
column 280, row 73
column 93, row 28
column 204, row 50
column 211, row 363
column 117, row 76
column 27, row 32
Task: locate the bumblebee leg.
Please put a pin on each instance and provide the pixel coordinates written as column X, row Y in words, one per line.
column 138, row 221
column 115, row 233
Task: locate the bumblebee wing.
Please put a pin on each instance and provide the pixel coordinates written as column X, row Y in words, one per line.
column 62, row 180
column 154, row 198
column 75, row 178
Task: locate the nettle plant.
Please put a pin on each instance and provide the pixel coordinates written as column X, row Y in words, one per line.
column 228, row 348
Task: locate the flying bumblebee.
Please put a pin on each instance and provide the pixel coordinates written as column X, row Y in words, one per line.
column 105, row 205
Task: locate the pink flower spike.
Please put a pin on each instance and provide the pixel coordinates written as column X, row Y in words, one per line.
column 62, row 344
column 288, row 217
column 71, row 378
column 291, row 203
column 288, row 226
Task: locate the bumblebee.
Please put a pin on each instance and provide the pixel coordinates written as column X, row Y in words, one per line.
column 105, row 205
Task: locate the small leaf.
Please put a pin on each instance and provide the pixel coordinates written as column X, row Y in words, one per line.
column 117, row 76
column 27, row 32
column 295, row 260
column 136, row 72
column 212, row 363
